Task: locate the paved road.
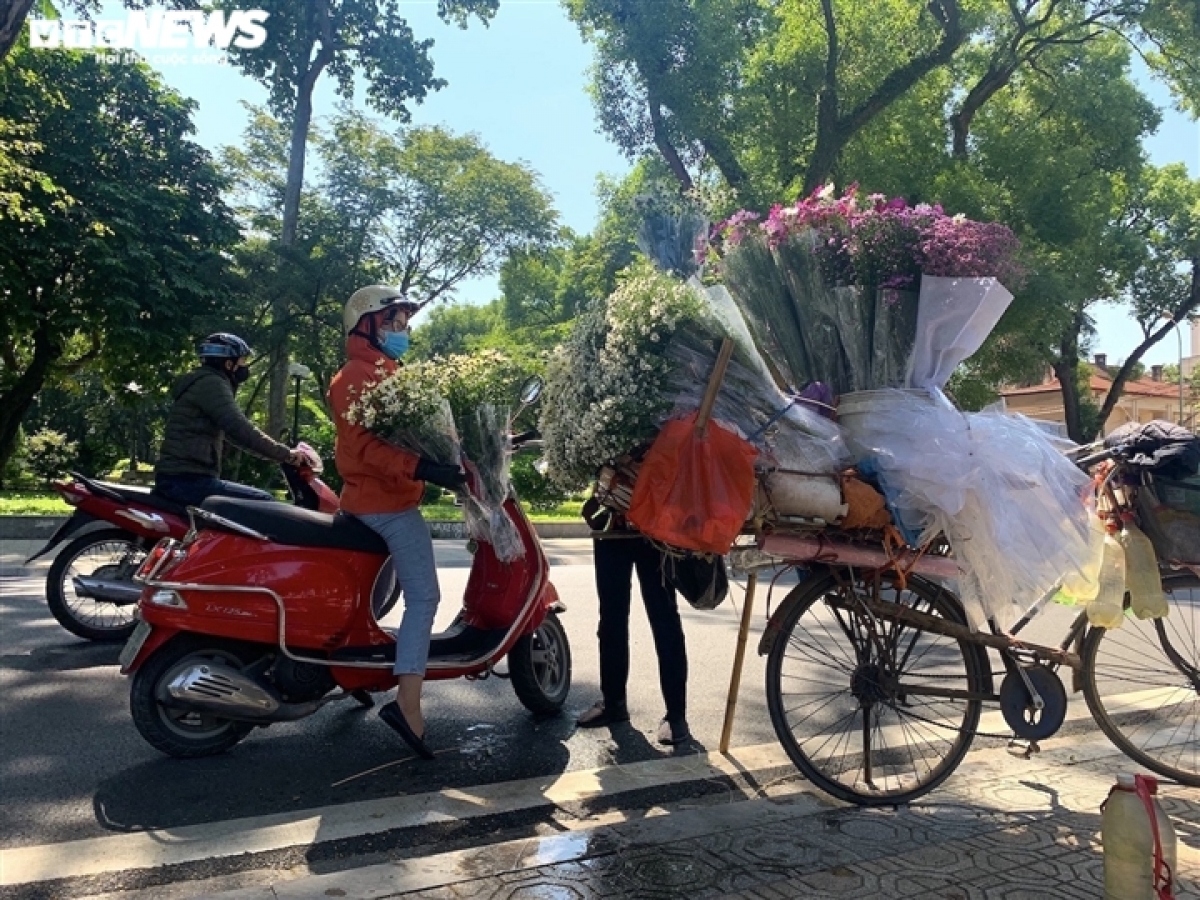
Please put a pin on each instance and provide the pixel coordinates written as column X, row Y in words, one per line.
column 72, row 765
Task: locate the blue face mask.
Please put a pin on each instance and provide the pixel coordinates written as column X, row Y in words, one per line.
column 394, row 344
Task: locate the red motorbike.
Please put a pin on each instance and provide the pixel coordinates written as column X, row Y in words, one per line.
column 90, row 587
column 263, row 614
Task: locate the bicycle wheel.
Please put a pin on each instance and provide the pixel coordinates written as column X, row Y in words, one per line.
column 873, row 712
column 1142, row 684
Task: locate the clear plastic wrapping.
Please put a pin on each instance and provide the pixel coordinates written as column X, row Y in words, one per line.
column 485, row 435
column 1015, row 510
column 789, row 434
column 954, row 318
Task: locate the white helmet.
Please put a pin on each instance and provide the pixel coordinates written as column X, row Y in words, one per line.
column 373, row 298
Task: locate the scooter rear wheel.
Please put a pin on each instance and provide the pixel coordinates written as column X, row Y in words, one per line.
column 540, row 667
column 182, row 733
column 107, row 553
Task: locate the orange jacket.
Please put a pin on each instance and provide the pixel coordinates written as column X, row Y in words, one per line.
column 378, row 476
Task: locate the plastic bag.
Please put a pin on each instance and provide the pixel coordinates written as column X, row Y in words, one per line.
column 694, row 491
column 702, row 580
column 485, row 436
column 954, row 318
column 1015, row 510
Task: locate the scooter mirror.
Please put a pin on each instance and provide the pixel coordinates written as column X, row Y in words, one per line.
column 531, row 390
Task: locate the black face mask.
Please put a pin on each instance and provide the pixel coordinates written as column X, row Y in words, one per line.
column 240, row 375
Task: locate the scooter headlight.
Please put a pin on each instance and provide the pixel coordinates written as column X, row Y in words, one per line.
column 169, row 599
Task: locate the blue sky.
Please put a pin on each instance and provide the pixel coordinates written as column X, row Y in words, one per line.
column 520, row 85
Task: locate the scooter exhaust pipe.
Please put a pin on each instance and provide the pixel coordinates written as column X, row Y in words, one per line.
column 122, row 593
column 224, row 691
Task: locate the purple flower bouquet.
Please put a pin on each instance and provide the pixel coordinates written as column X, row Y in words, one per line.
column 829, row 285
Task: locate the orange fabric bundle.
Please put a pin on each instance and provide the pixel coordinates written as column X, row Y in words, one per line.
column 868, row 509
column 693, row 491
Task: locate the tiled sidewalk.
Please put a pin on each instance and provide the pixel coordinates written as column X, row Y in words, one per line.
column 1001, row 827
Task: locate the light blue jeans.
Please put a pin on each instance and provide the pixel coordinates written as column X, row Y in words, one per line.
column 411, row 546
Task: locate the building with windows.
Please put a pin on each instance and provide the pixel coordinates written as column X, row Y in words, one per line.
column 1143, row 400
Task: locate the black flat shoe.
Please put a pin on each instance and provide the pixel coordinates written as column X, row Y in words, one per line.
column 598, row 716
column 391, row 714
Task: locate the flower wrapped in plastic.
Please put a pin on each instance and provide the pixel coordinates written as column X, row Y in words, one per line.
column 407, row 409
column 486, row 443
column 829, row 284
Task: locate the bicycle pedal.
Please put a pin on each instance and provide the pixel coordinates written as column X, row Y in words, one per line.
column 1022, row 748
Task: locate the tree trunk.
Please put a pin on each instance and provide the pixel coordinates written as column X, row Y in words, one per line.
column 666, row 148
column 282, row 308
column 1065, row 371
column 1187, row 305
column 12, row 19
column 836, row 129
column 16, row 401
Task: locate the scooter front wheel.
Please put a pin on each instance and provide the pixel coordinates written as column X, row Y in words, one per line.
column 181, row 732
column 540, row 667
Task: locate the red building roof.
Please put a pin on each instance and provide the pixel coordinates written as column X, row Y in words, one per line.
column 1100, row 382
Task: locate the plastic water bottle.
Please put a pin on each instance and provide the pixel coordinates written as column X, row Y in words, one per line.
column 1127, row 834
column 1108, row 608
column 1082, row 585
column 1146, row 597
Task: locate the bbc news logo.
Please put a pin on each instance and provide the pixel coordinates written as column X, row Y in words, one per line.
column 157, row 30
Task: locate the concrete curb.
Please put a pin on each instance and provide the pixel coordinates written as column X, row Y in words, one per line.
column 24, row 528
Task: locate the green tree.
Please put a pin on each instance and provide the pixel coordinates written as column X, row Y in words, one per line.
column 772, row 95
column 112, row 268
column 1162, row 228
column 1023, row 113
column 305, row 38
column 421, row 208
column 454, row 328
column 429, row 208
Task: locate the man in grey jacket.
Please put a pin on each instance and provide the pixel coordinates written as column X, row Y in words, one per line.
column 204, row 413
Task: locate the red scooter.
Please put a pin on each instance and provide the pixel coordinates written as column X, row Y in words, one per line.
column 262, row 614
column 90, row 588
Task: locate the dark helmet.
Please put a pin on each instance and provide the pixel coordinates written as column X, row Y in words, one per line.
column 223, row 345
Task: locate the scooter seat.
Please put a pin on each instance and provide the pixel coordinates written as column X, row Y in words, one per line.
column 133, row 494
column 297, row 527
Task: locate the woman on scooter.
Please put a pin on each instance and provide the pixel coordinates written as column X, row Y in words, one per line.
column 383, row 488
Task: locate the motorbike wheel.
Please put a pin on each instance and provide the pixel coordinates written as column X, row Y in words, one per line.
column 111, row 553
column 539, row 665
column 185, row 734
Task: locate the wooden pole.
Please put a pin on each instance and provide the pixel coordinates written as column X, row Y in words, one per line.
column 714, row 386
column 739, row 657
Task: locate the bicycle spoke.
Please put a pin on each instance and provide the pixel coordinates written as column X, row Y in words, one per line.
column 852, row 724
column 1140, row 685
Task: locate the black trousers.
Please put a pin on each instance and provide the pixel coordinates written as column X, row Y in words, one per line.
column 616, row 559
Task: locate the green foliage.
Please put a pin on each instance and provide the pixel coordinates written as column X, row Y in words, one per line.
column 112, row 267
column 535, row 490
column 429, row 208
column 351, row 38
column 32, row 503
column 453, row 328
column 49, row 454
